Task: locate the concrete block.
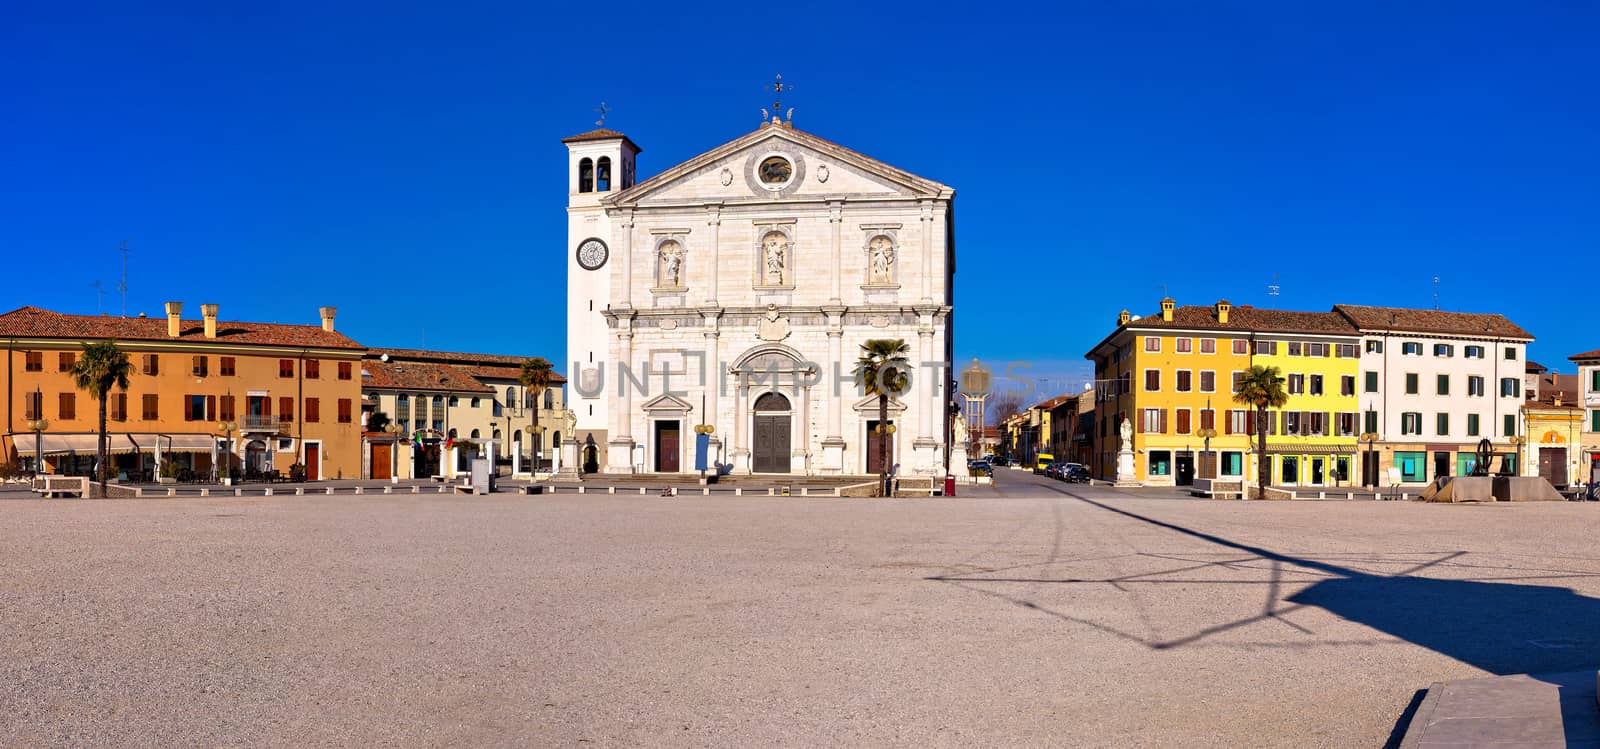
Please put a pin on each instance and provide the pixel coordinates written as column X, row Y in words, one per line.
column 360, row 490
column 269, row 491
column 299, row 491
column 1525, row 489
column 203, row 492
column 328, row 491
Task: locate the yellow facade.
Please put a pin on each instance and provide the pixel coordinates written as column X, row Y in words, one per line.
column 1182, row 385
column 1313, row 439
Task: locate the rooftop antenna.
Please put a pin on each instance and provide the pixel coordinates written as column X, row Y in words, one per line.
column 99, row 297
column 1435, row 293
column 123, row 286
column 603, row 110
column 1272, row 290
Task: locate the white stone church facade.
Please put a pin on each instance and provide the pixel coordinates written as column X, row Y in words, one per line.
column 734, row 290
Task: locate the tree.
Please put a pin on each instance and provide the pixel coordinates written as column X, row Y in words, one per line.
column 1261, row 388
column 883, row 370
column 1004, row 405
column 102, row 366
column 377, row 421
column 535, row 377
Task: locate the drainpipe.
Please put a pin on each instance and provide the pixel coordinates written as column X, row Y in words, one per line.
column 300, row 399
column 10, row 353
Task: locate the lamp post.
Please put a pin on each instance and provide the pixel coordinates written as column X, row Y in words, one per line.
column 393, row 429
column 225, row 471
column 37, row 426
column 707, row 430
column 1517, row 441
column 1369, row 466
column 537, row 430
column 888, row 475
column 1206, row 433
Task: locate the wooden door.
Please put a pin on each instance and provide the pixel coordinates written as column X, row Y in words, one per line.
column 875, row 455
column 1553, row 465
column 313, row 461
column 381, row 455
column 667, row 447
column 1208, row 465
column 771, row 444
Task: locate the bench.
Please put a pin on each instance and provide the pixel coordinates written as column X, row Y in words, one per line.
column 50, row 486
column 1218, row 488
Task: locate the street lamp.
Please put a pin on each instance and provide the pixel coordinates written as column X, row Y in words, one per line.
column 1207, row 433
column 394, row 429
column 888, row 429
column 537, row 430
column 226, row 427
column 1517, row 441
column 1370, row 466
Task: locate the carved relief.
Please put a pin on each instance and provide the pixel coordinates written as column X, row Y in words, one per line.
column 727, row 177
column 822, row 173
column 772, row 326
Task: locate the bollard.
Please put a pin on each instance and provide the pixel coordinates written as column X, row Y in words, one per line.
column 584, row 489
column 299, row 491
column 358, row 490
column 203, row 492
column 416, row 489
column 269, row 492
column 609, row 489
column 388, row 490
column 641, row 491
column 771, row 492
column 329, row 490
column 705, row 492
column 238, row 492
column 172, row 492
column 738, row 491
column 804, row 492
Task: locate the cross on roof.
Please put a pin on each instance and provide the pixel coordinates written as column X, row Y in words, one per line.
column 778, row 87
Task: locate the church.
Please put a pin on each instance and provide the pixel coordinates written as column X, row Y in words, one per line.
column 729, row 295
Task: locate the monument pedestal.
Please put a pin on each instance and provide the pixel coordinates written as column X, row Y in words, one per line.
column 1125, row 473
column 833, row 455
column 924, row 457
column 569, row 461
column 619, row 455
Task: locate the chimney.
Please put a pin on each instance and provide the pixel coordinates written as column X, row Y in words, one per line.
column 1122, row 318
column 1222, row 311
column 1167, row 306
column 209, row 312
column 174, row 319
column 327, row 317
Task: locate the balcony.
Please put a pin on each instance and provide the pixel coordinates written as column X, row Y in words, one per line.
column 257, row 423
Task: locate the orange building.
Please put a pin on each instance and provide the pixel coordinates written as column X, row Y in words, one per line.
column 269, row 395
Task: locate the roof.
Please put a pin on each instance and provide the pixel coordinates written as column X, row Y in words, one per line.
column 1047, row 405
column 1534, row 367
column 1241, row 318
column 499, row 366
column 1552, row 385
column 1585, row 356
column 33, row 322
column 602, row 134
column 421, row 376
column 1432, row 321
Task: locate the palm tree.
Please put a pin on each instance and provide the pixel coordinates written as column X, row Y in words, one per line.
column 102, row 366
column 535, row 377
column 1261, row 388
column 883, row 370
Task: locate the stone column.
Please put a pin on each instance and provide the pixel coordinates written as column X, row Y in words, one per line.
column 927, row 251
column 805, row 432
column 627, row 258
column 833, row 444
column 714, row 256
column 619, row 457
column 836, row 220
column 741, row 449
column 923, row 398
column 712, row 387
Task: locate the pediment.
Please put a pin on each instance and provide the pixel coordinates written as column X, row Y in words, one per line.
column 667, row 402
column 869, row 405
column 728, row 174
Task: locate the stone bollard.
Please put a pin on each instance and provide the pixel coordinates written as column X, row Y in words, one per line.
column 328, row 491
column 238, row 492
column 299, row 491
column 415, row 489
column 360, row 490
column 772, row 491
column 705, row 492
column 804, row 492
column 738, row 491
column 641, row 491
column 388, row 490
column 172, row 492
column 585, row 489
column 269, row 492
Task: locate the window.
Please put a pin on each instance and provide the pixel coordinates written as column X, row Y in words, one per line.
column 1152, row 344
column 65, row 360
column 1238, row 380
column 1510, row 425
column 1594, row 421
column 1208, row 382
column 194, row 408
column 1411, row 423
column 1412, row 388
column 313, row 408
column 1316, row 384
column 199, row 367
column 1183, row 345
column 475, row 402
column 1153, row 421
column 1208, row 418
column 455, row 401
column 1374, row 346
column 1317, row 349
column 1297, row 384
column 345, row 370
column 585, row 175
column 34, row 361
column 285, row 367
column 1511, row 353
column 549, row 396
column 1208, row 345
column 1239, row 421
column 286, row 410
column 225, row 408
column 1292, row 422
column 226, row 367
column 1347, row 351
column 33, row 406
column 1475, row 385
column 344, row 410
column 1443, row 384
column 1474, row 352
column 313, row 369
column 152, row 410
column 1441, row 424
column 1183, row 421
column 1232, row 464
column 1370, row 422
column 1266, row 348
column 1152, row 380
column 1160, row 462
column 1411, row 348
column 1294, row 348
column 118, row 406
column 1347, row 424
column 1510, row 387
column 1185, row 381
column 1291, row 469
column 152, row 364
column 1411, row 465
column 1594, row 379
column 1472, row 425
column 1347, row 384
column 402, row 400
column 1444, row 350
column 67, row 406
column 602, row 174
column 1241, row 346
column 1372, row 382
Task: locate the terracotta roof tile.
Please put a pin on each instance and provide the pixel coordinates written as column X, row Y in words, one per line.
column 420, row 376
column 1431, row 321
column 489, row 365
column 33, row 322
column 1585, row 356
column 601, row 134
column 1246, row 318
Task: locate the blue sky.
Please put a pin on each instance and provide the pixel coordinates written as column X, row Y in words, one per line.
column 385, row 157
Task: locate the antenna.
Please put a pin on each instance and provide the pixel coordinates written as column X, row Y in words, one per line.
column 1435, row 293
column 99, row 297
column 123, row 287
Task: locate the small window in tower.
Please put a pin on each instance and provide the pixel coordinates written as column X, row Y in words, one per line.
column 585, row 176
column 602, row 174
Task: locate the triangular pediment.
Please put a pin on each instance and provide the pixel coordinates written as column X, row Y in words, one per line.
column 820, row 168
column 869, row 405
column 667, row 402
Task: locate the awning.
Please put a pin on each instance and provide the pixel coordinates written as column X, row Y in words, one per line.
column 117, row 443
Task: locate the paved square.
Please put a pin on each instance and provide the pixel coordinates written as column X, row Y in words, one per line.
column 1106, row 619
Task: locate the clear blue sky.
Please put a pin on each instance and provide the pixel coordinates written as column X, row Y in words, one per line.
column 403, row 163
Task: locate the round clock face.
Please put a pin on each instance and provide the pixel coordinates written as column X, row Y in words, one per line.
column 592, row 254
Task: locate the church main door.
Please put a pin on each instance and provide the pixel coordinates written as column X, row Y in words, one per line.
column 771, row 443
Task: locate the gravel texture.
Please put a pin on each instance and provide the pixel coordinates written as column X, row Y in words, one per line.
column 1110, row 618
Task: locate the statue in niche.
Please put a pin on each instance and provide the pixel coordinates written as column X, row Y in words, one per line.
column 671, row 265
column 881, row 251
column 773, row 247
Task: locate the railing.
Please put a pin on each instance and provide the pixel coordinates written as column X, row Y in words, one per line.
column 259, row 423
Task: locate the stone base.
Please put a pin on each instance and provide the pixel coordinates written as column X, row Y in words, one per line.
column 923, row 454
column 833, row 455
column 1525, row 489
column 741, row 462
column 619, row 456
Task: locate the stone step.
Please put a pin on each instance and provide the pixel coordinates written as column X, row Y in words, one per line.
column 1526, row 710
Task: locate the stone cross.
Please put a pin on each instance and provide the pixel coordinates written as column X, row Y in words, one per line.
column 778, row 87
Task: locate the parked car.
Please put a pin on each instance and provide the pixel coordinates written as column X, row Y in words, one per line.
column 1054, row 470
column 1075, row 474
column 980, row 466
column 999, row 460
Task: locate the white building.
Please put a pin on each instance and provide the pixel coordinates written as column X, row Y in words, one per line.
column 735, row 289
column 1434, row 384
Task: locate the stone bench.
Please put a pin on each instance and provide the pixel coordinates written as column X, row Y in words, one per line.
column 50, row 486
column 1218, row 488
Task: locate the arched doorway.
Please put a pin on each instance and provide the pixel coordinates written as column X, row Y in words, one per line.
column 591, row 455
column 255, row 458
column 770, row 448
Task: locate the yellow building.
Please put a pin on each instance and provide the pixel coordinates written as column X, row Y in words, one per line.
column 270, row 395
column 1312, row 440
